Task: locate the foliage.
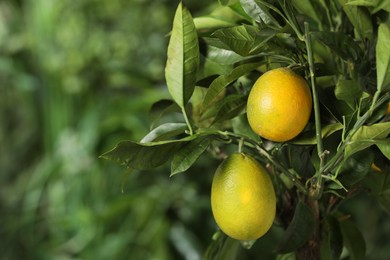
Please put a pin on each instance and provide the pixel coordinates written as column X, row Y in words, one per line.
column 342, row 48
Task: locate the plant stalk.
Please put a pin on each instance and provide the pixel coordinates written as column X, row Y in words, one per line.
column 187, row 121
column 317, row 185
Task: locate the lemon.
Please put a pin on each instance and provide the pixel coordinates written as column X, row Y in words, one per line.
column 243, row 199
column 279, row 105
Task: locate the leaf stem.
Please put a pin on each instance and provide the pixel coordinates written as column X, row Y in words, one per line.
column 187, row 121
column 320, row 148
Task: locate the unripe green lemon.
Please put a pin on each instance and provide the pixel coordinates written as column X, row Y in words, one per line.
column 279, row 105
column 243, row 198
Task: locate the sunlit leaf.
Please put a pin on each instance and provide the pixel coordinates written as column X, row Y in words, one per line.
column 375, row 5
column 383, row 57
column 353, row 240
column 220, row 83
column 223, row 56
column 164, row 131
column 384, row 147
column 299, row 231
column 183, row 57
column 367, row 136
column 188, row 154
column 209, row 23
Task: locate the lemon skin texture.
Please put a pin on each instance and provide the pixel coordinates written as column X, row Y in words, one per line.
column 279, row 105
column 243, row 199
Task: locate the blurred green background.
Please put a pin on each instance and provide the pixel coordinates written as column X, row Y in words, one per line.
column 76, row 77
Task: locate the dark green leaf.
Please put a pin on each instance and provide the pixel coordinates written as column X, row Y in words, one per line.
column 383, row 57
column 360, row 19
column 379, row 185
column 220, row 83
column 299, row 231
column 161, row 108
column 348, row 91
column 232, row 106
column 144, row 156
column 222, row 248
column 312, row 9
column 188, row 154
column 331, row 239
column 183, row 57
column 245, row 39
column 342, row 44
column 259, row 11
column 165, row 131
column 309, row 137
column 367, row 136
column 353, row 240
column 355, row 168
column 223, row 56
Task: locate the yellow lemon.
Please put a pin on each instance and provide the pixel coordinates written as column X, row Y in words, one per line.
column 243, row 198
column 279, row 105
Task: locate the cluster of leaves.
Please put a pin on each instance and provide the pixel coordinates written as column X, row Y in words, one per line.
column 343, row 48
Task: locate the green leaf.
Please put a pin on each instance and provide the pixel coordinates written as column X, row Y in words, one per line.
column 299, row 231
column 384, row 146
column 160, row 108
column 383, row 57
column 259, row 11
column 223, row 56
column 309, row 137
column 211, row 23
column 331, row 239
column 353, row 240
column 245, row 39
column 220, row 83
column 188, row 154
column 222, row 247
column 144, row 156
column 348, row 91
column 360, row 19
column 232, row 106
column 375, row 5
column 342, row 44
column 164, row 131
column 183, row 57
column 311, row 9
column 241, row 126
column 367, row 136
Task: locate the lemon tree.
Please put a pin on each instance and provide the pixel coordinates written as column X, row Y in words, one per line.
column 300, row 87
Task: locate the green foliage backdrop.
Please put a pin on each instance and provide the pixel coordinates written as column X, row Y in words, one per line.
column 78, row 77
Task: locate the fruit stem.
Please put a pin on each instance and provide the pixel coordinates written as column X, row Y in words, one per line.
column 187, row 121
column 317, row 184
column 264, row 153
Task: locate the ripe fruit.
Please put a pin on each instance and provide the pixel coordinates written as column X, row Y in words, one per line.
column 279, row 105
column 243, row 198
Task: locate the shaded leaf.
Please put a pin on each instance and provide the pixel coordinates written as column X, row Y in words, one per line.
column 348, row 91
column 241, row 126
column 245, row 39
column 220, row 83
column 188, row 154
column 379, row 186
column 183, row 57
column 331, row 239
column 311, row 9
column 367, row 136
column 299, row 231
column 223, row 56
column 144, row 156
column 353, row 240
column 164, row 131
column 383, row 57
column 161, row 108
column 342, row 44
column 309, row 137
column 360, row 19
column 222, row 247
column 259, row 12
column 232, row 106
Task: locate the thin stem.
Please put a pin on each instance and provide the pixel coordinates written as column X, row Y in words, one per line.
column 187, row 121
column 264, row 153
column 320, row 147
